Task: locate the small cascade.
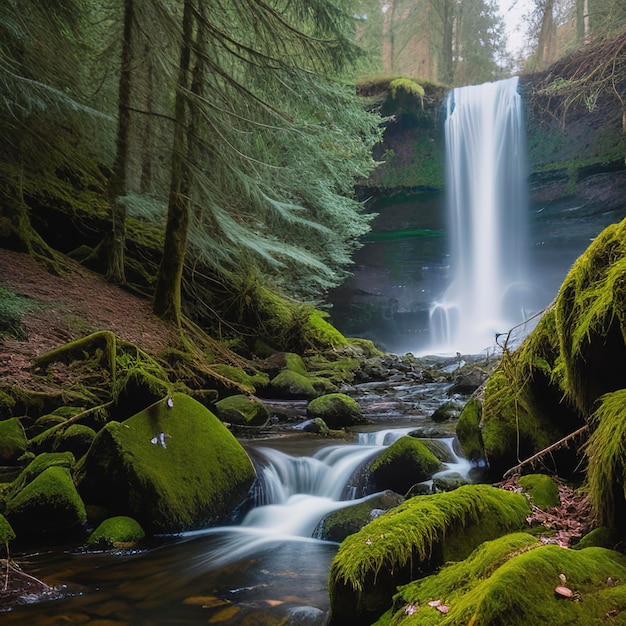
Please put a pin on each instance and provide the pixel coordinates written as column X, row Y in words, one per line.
column 486, row 171
column 295, row 493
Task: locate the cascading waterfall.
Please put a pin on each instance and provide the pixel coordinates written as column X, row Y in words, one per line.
column 486, row 170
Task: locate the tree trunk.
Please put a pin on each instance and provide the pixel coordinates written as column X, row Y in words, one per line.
column 447, row 45
column 118, row 182
column 547, row 35
column 167, row 297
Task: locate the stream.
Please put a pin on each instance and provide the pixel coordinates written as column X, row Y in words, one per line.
column 269, row 569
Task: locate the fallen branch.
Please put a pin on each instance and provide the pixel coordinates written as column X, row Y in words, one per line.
column 535, row 457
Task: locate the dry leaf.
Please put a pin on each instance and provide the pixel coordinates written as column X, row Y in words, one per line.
column 434, row 603
column 443, row 608
column 409, row 609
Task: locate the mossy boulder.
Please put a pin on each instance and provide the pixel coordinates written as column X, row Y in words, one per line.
column 116, row 532
column 513, row 580
column 405, row 462
column 336, row 526
column 412, row 539
column 248, row 381
column 174, row 466
column 449, row 410
column 242, row 411
column 13, row 442
column 48, row 505
column 40, row 463
column 291, row 384
column 76, row 439
column 45, row 422
column 542, row 490
column 336, row 409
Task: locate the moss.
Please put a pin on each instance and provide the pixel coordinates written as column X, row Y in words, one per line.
column 295, row 363
column 338, row 370
column 45, row 422
column 242, row 410
column 49, row 504
column 7, row 533
column 246, row 381
column 117, row 532
column 405, row 462
column 512, row 581
column 336, row 409
column 598, row 538
column 290, row 384
column 40, row 463
column 606, row 454
column 418, row 535
column 591, row 320
column 543, row 490
column 174, row 466
column 75, row 439
column 468, row 430
column 13, row 441
column 319, row 333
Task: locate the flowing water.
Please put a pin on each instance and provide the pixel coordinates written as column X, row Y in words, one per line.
column 262, row 571
column 486, row 170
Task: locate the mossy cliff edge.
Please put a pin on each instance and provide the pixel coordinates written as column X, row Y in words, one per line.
column 568, row 377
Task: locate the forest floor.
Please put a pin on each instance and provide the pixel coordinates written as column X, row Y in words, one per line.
column 64, row 308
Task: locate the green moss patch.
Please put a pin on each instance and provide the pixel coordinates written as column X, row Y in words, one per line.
column 412, row 539
column 242, row 411
column 405, row 462
column 468, row 430
column 543, row 490
column 117, row 532
column 512, row 581
column 48, row 505
column 13, row 441
column 40, row 463
column 336, row 409
column 7, row 533
column 174, row 466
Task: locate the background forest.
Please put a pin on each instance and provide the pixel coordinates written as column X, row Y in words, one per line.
column 227, row 135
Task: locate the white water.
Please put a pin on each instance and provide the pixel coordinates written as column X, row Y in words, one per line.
column 486, row 170
column 297, row 492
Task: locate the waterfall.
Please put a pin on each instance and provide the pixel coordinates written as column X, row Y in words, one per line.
column 486, row 173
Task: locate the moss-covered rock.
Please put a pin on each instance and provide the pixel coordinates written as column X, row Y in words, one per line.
column 48, row 505
column 412, row 539
column 13, row 442
column 336, row 526
column 116, row 532
column 512, row 581
column 449, row 410
column 242, row 411
column 45, row 422
column 40, row 463
column 76, row 439
column 7, row 534
column 600, row 537
column 468, row 431
column 290, row 384
column 174, row 466
column 336, row 409
column 542, row 490
column 405, row 462
column 248, row 381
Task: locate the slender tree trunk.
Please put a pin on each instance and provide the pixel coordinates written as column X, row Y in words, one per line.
column 118, row 183
column 547, row 35
column 167, row 297
column 447, row 46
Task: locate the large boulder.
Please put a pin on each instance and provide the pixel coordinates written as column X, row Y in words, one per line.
column 405, row 462
column 416, row 537
column 48, row 505
column 517, row 580
column 38, row 465
column 174, row 466
column 336, row 409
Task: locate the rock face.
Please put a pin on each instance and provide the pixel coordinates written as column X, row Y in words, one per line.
column 174, row 466
column 415, row 537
